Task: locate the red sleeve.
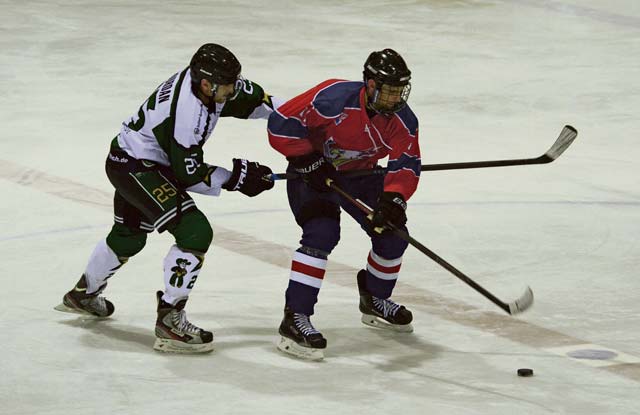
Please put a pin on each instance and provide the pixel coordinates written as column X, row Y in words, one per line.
column 403, row 168
column 291, row 126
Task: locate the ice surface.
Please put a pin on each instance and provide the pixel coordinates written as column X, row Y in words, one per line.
column 491, row 79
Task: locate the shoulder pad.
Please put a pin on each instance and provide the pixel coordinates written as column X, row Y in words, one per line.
column 332, row 99
column 408, row 119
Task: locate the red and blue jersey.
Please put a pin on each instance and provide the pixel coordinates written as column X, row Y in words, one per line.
column 332, row 119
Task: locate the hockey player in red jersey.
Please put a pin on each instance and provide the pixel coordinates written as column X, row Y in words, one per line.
column 335, row 127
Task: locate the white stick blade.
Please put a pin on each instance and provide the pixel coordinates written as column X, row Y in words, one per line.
column 523, row 303
column 567, row 135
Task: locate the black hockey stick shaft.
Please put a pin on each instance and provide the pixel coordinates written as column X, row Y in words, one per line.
column 564, row 140
column 435, row 257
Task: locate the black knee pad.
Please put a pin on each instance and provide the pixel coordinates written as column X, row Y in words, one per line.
column 389, row 246
column 321, row 234
column 193, row 232
column 318, row 208
column 125, row 241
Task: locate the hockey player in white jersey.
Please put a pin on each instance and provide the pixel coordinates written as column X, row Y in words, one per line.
column 153, row 163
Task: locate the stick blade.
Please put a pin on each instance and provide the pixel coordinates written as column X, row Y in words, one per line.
column 523, row 303
column 567, row 135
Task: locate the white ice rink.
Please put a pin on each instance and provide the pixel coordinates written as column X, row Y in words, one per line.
column 492, row 79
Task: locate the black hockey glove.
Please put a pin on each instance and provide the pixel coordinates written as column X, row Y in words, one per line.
column 391, row 208
column 248, row 177
column 314, row 170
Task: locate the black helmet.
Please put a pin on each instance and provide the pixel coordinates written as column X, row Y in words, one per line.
column 386, row 67
column 216, row 64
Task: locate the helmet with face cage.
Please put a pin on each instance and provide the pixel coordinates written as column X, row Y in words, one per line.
column 386, row 67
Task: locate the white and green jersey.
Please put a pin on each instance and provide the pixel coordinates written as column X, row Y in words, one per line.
column 172, row 125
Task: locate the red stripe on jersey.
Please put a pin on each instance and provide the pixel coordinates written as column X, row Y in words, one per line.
column 307, row 269
column 387, row 270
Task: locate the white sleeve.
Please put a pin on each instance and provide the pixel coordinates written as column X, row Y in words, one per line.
column 277, row 102
column 264, row 110
column 219, row 177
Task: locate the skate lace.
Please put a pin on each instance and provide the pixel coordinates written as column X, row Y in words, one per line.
column 386, row 307
column 303, row 324
column 179, row 319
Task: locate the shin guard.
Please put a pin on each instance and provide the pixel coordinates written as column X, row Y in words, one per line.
column 181, row 269
column 103, row 263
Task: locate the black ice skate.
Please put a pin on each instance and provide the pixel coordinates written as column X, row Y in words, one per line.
column 175, row 334
column 382, row 313
column 78, row 301
column 299, row 337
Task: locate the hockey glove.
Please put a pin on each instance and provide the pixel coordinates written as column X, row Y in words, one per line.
column 391, row 209
column 314, row 170
column 248, row 178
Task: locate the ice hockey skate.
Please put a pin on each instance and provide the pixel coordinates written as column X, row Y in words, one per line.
column 175, row 334
column 382, row 313
column 300, row 338
column 78, row 301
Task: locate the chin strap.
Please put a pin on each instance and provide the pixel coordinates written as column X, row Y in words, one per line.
column 214, row 89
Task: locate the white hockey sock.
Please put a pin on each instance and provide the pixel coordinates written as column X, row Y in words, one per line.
column 307, row 269
column 385, row 269
column 181, row 269
column 103, row 263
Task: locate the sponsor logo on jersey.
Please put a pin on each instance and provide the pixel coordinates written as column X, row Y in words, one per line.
column 118, row 159
column 196, row 131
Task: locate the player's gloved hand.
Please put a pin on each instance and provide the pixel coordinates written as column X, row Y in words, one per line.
column 391, row 209
column 314, row 170
column 248, row 178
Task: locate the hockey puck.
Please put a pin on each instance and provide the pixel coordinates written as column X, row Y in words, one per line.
column 525, row 372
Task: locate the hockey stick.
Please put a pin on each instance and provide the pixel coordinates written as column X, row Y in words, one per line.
column 518, row 306
column 564, row 140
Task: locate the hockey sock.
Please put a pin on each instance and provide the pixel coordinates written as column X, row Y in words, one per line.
column 305, row 280
column 103, row 263
column 382, row 274
column 181, row 269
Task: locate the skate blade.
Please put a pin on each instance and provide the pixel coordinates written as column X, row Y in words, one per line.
column 380, row 323
column 66, row 309
column 174, row 346
column 288, row 346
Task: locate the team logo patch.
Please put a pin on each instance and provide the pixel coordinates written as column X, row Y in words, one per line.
column 340, row 156
column 179, row 271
